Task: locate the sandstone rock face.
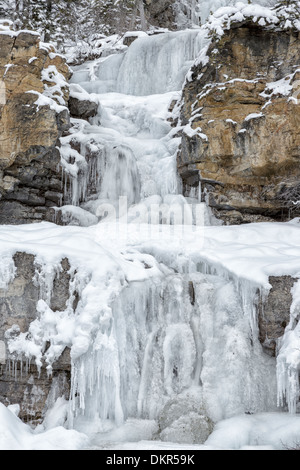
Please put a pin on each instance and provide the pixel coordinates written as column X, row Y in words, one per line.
column 241, row 117
column 20, row 381
column 33, row 116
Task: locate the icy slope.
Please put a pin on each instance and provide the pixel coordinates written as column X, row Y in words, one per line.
column 109, row 270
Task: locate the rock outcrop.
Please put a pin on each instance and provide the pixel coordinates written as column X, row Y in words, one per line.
column 241, row 124
column 33, row 116
column 20, row 381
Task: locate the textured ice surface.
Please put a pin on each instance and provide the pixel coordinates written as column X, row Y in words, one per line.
column 151, row 65
column 164, row 309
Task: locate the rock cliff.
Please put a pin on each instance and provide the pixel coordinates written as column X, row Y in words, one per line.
column 240, row 115
column 33, row 116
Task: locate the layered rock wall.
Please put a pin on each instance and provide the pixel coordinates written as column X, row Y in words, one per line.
column 33, row 116
column 241, row 119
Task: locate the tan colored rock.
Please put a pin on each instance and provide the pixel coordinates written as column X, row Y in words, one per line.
column 242, row 138
column 33, row 116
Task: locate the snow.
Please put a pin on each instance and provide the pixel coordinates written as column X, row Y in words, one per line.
column 74, row 215
column 222, row 19
column 76, row 91
column 57, row 81
column 15, row 435
column 167, row 300
column 136, row 34
column 289, row 357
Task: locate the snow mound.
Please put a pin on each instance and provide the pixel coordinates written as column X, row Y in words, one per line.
column 16, row 435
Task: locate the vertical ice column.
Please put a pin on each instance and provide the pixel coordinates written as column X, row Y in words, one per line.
column 146, row 355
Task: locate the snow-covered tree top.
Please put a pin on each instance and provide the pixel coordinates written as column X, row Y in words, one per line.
column 284, row 15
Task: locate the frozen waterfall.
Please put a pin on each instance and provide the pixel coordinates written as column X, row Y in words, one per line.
column 130, row 147
column 194, row 328
column 151, row 321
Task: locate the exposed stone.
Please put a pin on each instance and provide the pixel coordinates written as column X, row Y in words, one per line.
column 30, row 389
column 32, row 119
column 161, row 13
column 241, row 140
column 61, row 287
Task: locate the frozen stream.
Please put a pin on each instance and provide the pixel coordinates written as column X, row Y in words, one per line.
column 164, row 341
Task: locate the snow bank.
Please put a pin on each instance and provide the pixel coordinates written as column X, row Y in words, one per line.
column 15, row 435
column 128, row 271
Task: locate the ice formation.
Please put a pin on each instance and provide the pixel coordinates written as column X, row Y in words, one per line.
column 165, row 305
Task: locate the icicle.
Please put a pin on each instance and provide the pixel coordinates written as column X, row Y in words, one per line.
column 160, row 341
